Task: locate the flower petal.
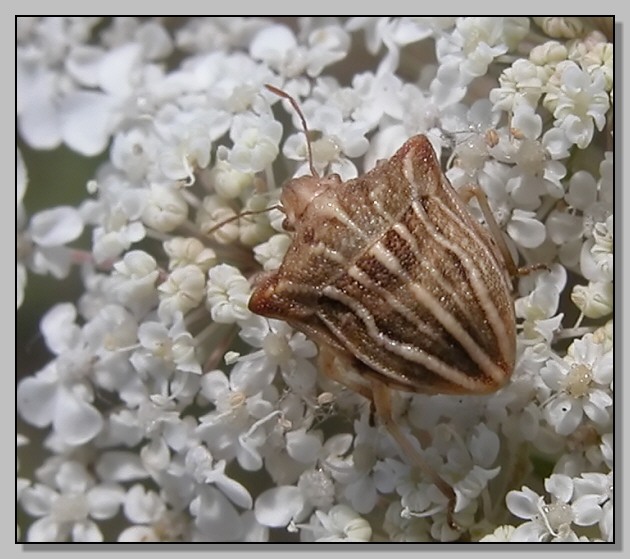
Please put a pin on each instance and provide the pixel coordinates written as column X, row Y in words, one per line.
column 276, row 507
column 76, row 422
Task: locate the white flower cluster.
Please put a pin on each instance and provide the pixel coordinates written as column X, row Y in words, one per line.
column 170, row 412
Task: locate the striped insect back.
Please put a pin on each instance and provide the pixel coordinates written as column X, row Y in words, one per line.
column 393, row 268
column 399, row 285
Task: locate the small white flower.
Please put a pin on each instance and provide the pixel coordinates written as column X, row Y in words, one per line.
column 548, row 54
column 183, row 251
column 594, row 500
column 215, row 516
column 600, row 58
column 342, row 524
column 116, row 218
column 581, row 385
column 480, row 119
column 150, row 519
column 393, row 34
column 317, row 487
column 59, row 393
column 579, row 104
column 188, row 138
column 521, row 82
column 174, row 346
column 365, row 474
column 134, row 280
column 502, row 534
column 236, row 429
column 271, row 253
column 539, row 526
column 277, row 46
column 281, row 349
column 256, row 139
column 596, row 256
column 561, row 27
column 201, row 466
column 475, row 42
column 277, row 506
column 112, row 330
column 568, row 228
column 165, row 209
column 378, row 98
column 68, row 512
column 182, row 291
column 513, row 197
column 595, row 300
column 327, row 44
column 227, row 294
column 341, row 140
column 227, row 181
column 134, row 152
column 217, row 219
column 56, row 104
column 542, row 302
column 41, row 242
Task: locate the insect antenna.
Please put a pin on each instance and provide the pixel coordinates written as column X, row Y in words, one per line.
column 240, row 215
column 305, row 129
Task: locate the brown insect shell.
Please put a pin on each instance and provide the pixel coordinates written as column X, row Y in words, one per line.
column 393, row 273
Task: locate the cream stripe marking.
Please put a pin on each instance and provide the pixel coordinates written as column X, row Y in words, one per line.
column 322, row 249
column 406, row 235
column 374, row 196
column 389, row 260
column 407, row 351
column 450, row 323
column 453, row 217
column 492, row 313
column 331, row 208
column 433, row 271
column 475, row 280
column 364, row 279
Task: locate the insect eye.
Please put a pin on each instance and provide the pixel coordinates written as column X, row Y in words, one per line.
column 287, row 224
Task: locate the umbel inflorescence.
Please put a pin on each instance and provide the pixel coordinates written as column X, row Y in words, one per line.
column 169, row 411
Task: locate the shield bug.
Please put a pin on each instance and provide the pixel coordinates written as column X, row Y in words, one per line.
column 397, row 282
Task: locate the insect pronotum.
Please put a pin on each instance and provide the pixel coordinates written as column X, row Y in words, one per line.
column 396, row 281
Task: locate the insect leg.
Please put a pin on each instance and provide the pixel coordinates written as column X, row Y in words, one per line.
column 469, row 191
column 337, row 366
column 341, row 372
column 466, row 193
column 381, row 396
